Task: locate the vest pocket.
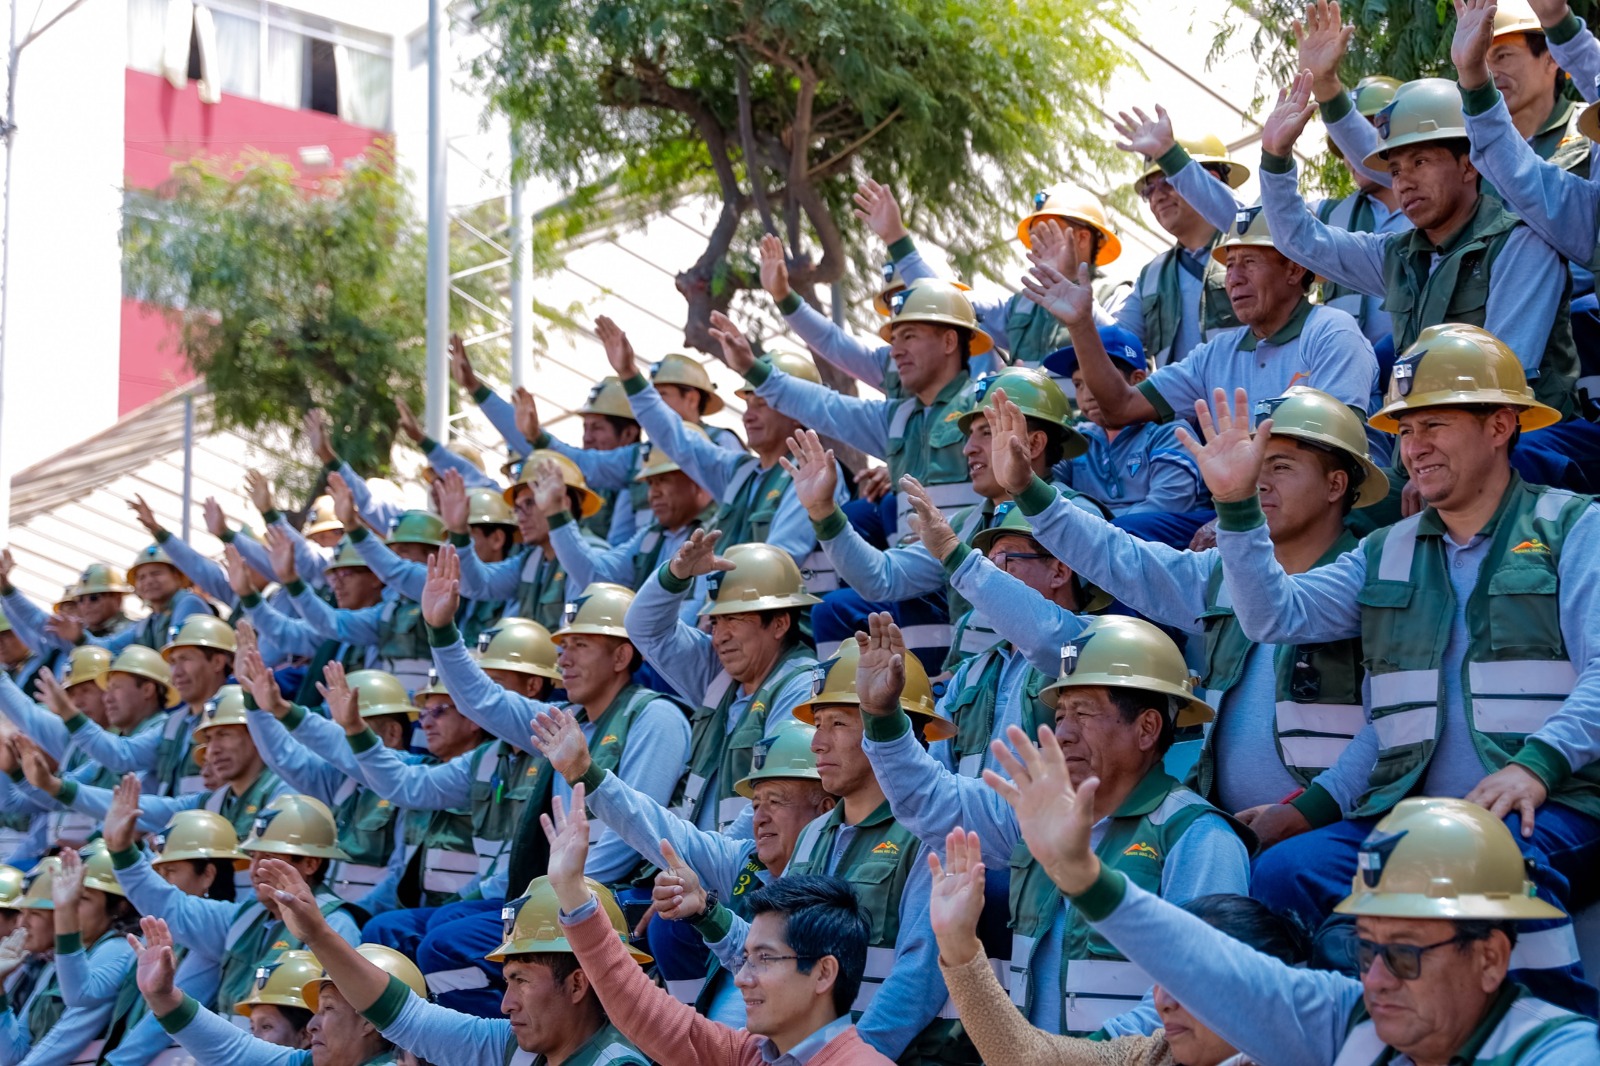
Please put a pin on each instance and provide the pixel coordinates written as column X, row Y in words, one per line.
column 873, row 882
column 1523, row 613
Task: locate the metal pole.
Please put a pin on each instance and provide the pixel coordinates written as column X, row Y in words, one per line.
column 188, row 461
column 521, row 269
column 836, row 302
column 436, row 412
column 9, row 133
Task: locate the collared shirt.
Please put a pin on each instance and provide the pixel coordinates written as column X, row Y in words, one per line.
column 807, row 1049
column 1144, row 468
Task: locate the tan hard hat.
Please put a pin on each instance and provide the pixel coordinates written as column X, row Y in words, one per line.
column 140, row 661
column 155, row 553
column 1204, row 149
column 531, row 924
column 792, row 363
column 600, row 611
column 279, row 983
column 571, row 477
column 941, row 303
column 520, row 645
column 675, row 368
column 384, row 958
column 379, row 693
column 98, row 577
column 201, row 631
column 1010, row 521
column 488, row 507
column 321, row 517
column 834, row 682
column 1313, row 416
column 98, row 873
column 198, row 834
column 38, row 896
column 763, row 578
column 225, row 708
column 347, row 558
column 1130, row 653
column 1515, row 16
column 1422, row 112
column 654, row 461
column 608, row 398
column 1455, row 365
column 1068, row 201
column 295, row 825
column 1373, row 93
column 12, row 881
column 87, row 663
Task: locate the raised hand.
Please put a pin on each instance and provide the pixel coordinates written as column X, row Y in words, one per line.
column 1054, row 243
column 344, row 501
column 451, row 491
column 1469, row 46
column 146, row 517
column 872, row 484
column 1143, row 135
column 932, row 526
column 8, row 563
column 558, row 737
column 1323, row 39
column 68, row 629
column 408, row 421
column 156, row 966
column 38, row 767
column 1232, row 458
column 460, row 366
column 774, row 269
column 567, row 829
column 527, row 414
column 877, row 207
column 1288, row 120
column 280, row 549
column 1055, row 818
column 13, row 953
column 254, row 675
column 122, row 817
column 1009, row 457
column 55, row 697
column 881, row 672
column 619, row 350
column 66, row 888
column 240, row 578
column 216, row 521
column 344, row 702
column 957, row 899
column 297, row 904
column 1070, row 302
column 678, row 893
column 813, row 473
column 260, row 489
column 1550, row 12
column 318, row 435
column 736, row 350
column 441, row 593
column 698, row 555
column 549, row 491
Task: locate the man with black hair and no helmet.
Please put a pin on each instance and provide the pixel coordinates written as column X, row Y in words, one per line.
column 802, row 965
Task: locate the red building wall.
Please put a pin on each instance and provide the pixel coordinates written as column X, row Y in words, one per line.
column 163, row 126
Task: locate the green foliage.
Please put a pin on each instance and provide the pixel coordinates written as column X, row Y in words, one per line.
column 290, row 295
column 776, row 108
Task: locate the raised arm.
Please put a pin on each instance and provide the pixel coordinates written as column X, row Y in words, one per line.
column 440, row 787
column 681, row 652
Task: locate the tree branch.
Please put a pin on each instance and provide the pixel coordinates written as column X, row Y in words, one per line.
column 35, row 34
column 747, row 140
column 824, row 169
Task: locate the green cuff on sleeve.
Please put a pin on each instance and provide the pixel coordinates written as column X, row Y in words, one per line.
column 460, row 540
column 1541, row 758
column 332, row 465
column 227, row 535
column 443, row 636
column 883, row 728
column 250, row 703
column 1240, row 516
column 17, row 775
column 163, row 535
column 427, row 444
column 76, row 722
column 831, row 526
column 591, row 779
column 902, row 248
column 544, row 439
column 383, row 1013
column 67, row 943
column 560, row 518
column 714, row 924
column 249, row 600
column 790, row 303
column 294, row 716
column 671, row 582
column 635, row 383
column 1565, row 30
column 296, row 587
column 1318, row 806
column 359, row 534
column 953, row 561
column 481, row 394
column 125, row 859
column 1173, row 159
column 365, row 740
column 67, row 793
column 1147, row 389
column 271, row 515
column 5, row 1002
column 1037, row 497
column 1276, row 164
column 1337, row 108
column 1477, row 101
column 179, row 1019
column 1102, row 897
column 758, row 373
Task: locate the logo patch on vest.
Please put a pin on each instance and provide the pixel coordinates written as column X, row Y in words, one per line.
column 953, row 415
column 1374, row 855
column 1141, row 850
column 1531, row 547
column 888, row 847
column 610, row 738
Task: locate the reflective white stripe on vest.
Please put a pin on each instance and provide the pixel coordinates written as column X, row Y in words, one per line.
column 1523, row 677
column 467, row 977
column 729, row 809
column 880, row 964
column 1106, row 977
column 977, row 637
column 1546, row 949
column 929, row 635
column 692, row 787
column 1337, row 719
column 1362, row 1046
column 351, row 881
column 193, row 783
column 1399, row 547
column 523, row 1058
column 1415, row 726
column 1085, row 1014
column 1511, row 716
column 487, row 850
column 1404, row 686
column 1021, row 963
column 413, row 673
column 1312, row 753
column 448, row 871
column 819, row 573
column 89, row 1054
column 687, row 990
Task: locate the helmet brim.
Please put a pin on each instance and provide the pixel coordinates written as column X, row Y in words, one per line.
column 1110, row 245
column 1531, row 414
column 1372, row 904
column 761, row 603
column 979, row 343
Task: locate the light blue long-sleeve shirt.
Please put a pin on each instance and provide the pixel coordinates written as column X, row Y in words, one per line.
column 866, row 361
column 438, row 1034
column 206, row 574
column 1524, row 289
column 1211, row 197
column 402, row 779
column 494, row 582
column 196, row 976
column 106, row 963
column 405, row 576
column 213, row 1040
column 853, row 420
column 379, row 514
column 155, row 811
column 363, row 625
column 443, row 460
column 28, row 621
column 35, row 720
column 184, row 605
column 1580, row 58
column 503, row 417
column 1558, row 205
column 877, row 575
column 1143, row 470
column 288, row 633
column 94, row 977
column 135, row 753
column 586, row 563
column 716, row 858
column 305, row 763
column 1321, row 605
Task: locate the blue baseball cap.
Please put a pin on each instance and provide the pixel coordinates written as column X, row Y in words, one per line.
column 1120, row 344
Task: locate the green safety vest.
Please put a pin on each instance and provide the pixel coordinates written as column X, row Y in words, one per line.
column 1559, row 140
column 749, row 503
column 648, row 556
column 1311, row 727
column 1097, row 982
column 706, row 988
column 45, row 1005
column 366, row 834
column 605, row 1048
column 1032, row 332
column 713, row 751
column 926, row 442
column 349, row 655
column 248, row 946
column 1517, row 1021
column 441, row 862
column 401, row 631
column 477, row 616
column 1457, row 290
column 976, row 697
column 880, row 858
column 1517, row 672
column 177, row 773
column 241, row 810
column 1353, row 214
column 502, row 783
column 599, row 523
column 542, row 591
column 1161, row 302
column 530, row 851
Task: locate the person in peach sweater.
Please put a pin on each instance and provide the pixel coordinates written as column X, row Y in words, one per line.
column 804, row 957
column 1005, row 1038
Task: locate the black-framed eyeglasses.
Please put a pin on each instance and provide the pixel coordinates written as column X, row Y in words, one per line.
column 1402, row 960
column 760, row 963
column 1003, row 559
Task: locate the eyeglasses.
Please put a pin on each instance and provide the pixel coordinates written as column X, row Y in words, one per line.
column 427, row 714
column 760, row 964
column 1403, row 960
column 1003, row 559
